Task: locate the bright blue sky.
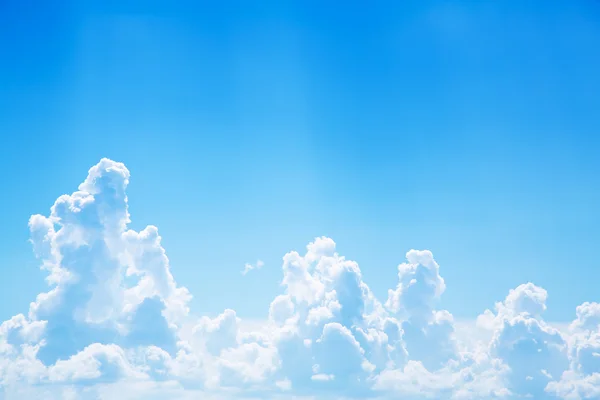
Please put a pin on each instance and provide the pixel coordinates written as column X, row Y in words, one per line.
column 470, row 129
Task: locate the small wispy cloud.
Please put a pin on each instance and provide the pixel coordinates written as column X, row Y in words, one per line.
column 249, row 267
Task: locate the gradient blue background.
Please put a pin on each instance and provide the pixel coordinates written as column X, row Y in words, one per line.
column 467, row 128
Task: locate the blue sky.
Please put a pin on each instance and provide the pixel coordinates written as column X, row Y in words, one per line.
column 466, row 128
column 470, row 130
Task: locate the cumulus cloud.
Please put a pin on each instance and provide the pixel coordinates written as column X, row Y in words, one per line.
column 115, row 323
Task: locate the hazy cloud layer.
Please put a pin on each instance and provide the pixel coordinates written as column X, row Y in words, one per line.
column 114, row 323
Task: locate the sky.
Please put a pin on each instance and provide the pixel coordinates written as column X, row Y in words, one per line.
column 457, row 137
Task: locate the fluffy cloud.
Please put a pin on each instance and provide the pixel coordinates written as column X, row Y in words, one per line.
column 114, row 323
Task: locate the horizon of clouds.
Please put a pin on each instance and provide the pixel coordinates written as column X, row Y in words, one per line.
column 115, row 323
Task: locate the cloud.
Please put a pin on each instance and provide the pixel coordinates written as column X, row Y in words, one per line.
column 115, row 323
column 249, row 267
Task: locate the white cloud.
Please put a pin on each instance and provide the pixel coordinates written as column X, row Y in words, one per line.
column 114, row 323
column 249, row 267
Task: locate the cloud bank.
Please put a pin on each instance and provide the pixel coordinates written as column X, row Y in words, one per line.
column 115, row 324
